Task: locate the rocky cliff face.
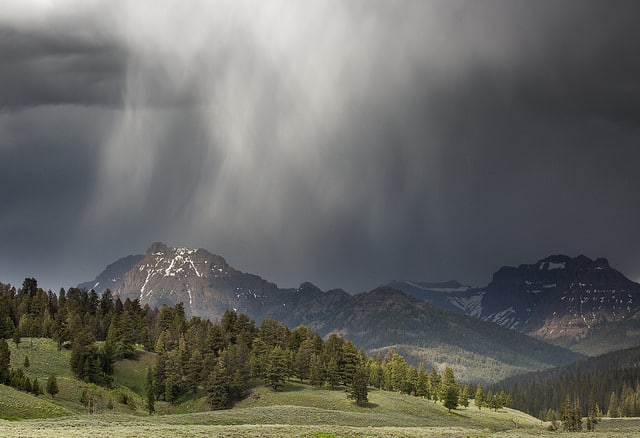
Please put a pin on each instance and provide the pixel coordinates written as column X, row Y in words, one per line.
column 560, row 296
column 556, row 297
column 203, row 282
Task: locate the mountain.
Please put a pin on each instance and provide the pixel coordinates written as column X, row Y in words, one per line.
column 570, row 301
column 111, row 277
column 378, row 320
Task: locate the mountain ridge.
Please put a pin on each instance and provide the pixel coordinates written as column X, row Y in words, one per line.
column 559, row 298
column 379, row 319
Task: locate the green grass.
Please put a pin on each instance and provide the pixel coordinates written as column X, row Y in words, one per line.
column 132, row 373
column 44, row 358
column 296, row 410
column 17, row 405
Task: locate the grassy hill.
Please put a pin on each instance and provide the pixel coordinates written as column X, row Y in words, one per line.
column 296, row 410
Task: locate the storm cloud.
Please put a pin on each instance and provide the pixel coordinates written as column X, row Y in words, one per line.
column 345, row 143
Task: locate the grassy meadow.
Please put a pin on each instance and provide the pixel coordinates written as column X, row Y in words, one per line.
column 295, row 410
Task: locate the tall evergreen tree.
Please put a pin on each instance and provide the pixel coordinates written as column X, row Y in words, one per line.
column 277, row 368
column 151, row 399
column 449, row 389
column 613, row 405
column 479, row 398
column 358, row 389
column 36, row 389
column 333, row 373
column 52, row 386
column 593, row 412
column 218, row 387
column 5, row 361
column 316, row 371
column 463, row 399
column 16, row 337
column 434, row 384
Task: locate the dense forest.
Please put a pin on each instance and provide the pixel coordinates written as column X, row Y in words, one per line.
column 612, row 381
column 200, row 357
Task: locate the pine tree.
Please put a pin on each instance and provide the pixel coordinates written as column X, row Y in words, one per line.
column 464, row 397
column 277, row 369
column 303, row 359
column 173, row 376
column 593, row 412
column 613, row 406
column 193, row 370
column 16, row 337
column 159, row 375
column 26, row 363
column 5, row 361
column 488, row 400
column 434, row 384
column 358, row 388
column 449, row 389
column 36, row 389
column 151, row 399
column 316, row 372
column 333, row 373
column 347, row 362
column 422, row 383
column 479, row 398
column 567, row 415
column 52, row 386
column 218, row 387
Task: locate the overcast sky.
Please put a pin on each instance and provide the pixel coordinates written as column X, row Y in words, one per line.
column 343, row 143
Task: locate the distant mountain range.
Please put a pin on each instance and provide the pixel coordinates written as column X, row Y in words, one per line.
column 577, row 302
column 377, row 320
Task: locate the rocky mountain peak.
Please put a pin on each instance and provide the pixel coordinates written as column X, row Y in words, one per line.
column 156, row 247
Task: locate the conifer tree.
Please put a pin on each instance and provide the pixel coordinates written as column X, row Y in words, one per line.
column 316, row 372
column 463, row 399
column 36, row 389
column 173, row 374
column 358, row 388
column 218, row 387
column 5, row 361
column 593, row 412
column 151, row 399
column 333, row 373
column 52, row 386
column 613, row 405
column 16, row 337
column 422, row 383
column 193, row 371
column 277, row 369
column 26, row 363
column 479, row 398
column 449, row 389
column 434, row 384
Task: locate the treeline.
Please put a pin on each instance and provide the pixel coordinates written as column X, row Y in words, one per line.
column 218, row 359
column 610, row 381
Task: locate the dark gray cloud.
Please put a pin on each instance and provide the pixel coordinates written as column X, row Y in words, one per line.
column 346, row 144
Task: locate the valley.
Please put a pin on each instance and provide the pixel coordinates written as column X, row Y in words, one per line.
column 153, row 336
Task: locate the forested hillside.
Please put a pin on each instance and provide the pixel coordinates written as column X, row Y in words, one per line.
column 196, row 357
column 611, row 380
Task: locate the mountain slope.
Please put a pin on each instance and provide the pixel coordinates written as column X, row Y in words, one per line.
column 377, row 320
column 536, row 392
column 111, row 277
column 576, row 302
